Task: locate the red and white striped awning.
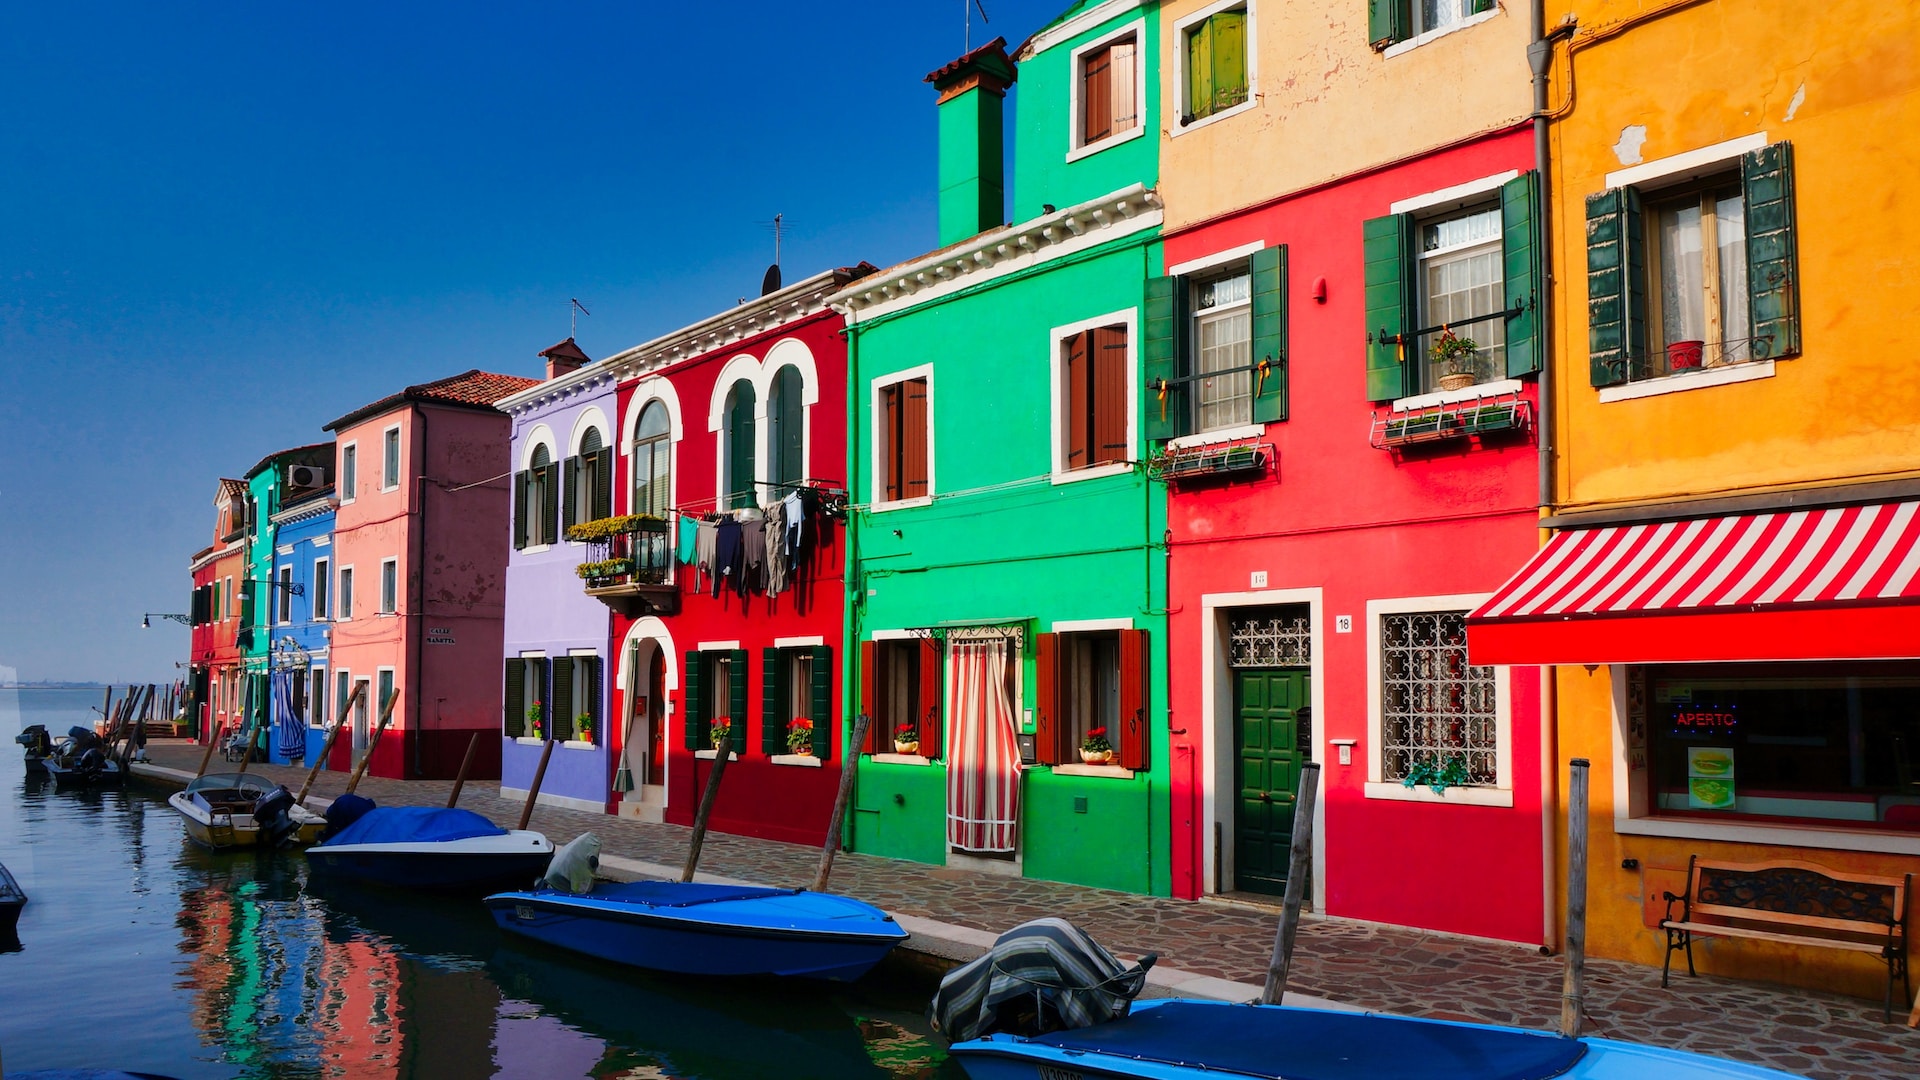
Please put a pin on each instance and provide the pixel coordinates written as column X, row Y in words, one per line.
column 1841, row 583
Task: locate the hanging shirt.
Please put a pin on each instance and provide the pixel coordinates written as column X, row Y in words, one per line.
column 796, row 514
column 706, row 545
column 775, row 539
column 727, row 556
column 689, row 538
column 753, row 553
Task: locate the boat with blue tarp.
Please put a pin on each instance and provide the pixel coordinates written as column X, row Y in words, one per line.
column 697, row 928
column 421, row 847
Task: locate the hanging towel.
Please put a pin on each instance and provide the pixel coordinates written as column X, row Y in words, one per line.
column 689, row 539
column 775, row 540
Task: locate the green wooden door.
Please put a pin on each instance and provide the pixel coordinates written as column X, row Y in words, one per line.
column 1267, row 708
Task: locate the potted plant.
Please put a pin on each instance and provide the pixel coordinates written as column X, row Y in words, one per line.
column 536, row 720
column 800, row 737
column 1437, row 774
column 718, row 732
column 583, row 728
column 1095, row 749
column 1455, row 355
column 906, row 739
column 1685, row 355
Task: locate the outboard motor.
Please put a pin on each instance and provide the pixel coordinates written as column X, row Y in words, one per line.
column 346, row 810
column 272, row 812
column 35, row 738
column 91, row 763
column 82, row 738
column 572, row 867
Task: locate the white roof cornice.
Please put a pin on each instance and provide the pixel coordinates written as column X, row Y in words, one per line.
column 1072, row 28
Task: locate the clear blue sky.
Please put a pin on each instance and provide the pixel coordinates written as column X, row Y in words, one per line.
column 221, row 226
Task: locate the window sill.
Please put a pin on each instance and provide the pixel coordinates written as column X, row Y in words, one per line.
column 803, row 760
column 525, row 740
column 1458, row 796
column 1208, row 438
column 1693, row 380
column 709, row 755
column 533, row 549
column 1093, row 148
column 575, row 744
column 1454, row 397
column 1178, row 129
column 1093, row 472
column 1813, row 836
column 1451, row 28
column 901, row 759
column 900, row 504
column 1113, row 771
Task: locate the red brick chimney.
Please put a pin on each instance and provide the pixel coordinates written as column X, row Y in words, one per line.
column 563, row 358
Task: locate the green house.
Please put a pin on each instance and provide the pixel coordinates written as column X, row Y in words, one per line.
column 1007, row 601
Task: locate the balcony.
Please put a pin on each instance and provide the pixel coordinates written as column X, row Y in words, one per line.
column 629, row 564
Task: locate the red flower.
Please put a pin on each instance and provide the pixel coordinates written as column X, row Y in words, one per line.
column 1095, row 733
column 800, row 725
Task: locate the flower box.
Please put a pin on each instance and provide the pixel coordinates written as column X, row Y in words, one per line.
column 1196, row 461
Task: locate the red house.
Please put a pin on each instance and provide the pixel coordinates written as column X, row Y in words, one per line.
column 216, row 616
column 1333, row 515
column 723, row 425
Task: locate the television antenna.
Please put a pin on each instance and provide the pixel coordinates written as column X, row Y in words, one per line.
column 966, row 13
column 575, row 309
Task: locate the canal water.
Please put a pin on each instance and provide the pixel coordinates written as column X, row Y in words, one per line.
column 141, row 951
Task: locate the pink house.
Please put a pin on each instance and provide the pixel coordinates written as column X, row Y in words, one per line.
column 419, row 568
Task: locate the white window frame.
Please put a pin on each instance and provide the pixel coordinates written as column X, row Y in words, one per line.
column 1501, row 794
column 541, row 436
column 1421, row 366
column 340, row 696
column 343, row 594
column 648, row 392
column 349, row 470
column 373, row 698
column 1129, row 318
column 877, row 451
column 322, row 571
column 391, row 434
column 1077, row 86
column 318, row 685
column 283, row 603
column 390, row 586
column 1417, row 40
column 1192, row 331
column 233, row 602
column 1179, row 66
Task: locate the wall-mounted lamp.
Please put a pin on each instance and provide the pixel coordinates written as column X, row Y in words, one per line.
column 145, row 624
column 1319, row 290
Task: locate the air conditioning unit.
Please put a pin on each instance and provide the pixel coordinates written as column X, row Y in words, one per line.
column 306, row 476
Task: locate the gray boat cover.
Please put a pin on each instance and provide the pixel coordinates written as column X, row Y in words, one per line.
column 572, row 868
column 1041, row 976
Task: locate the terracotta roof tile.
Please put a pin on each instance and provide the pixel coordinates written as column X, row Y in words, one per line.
column 476, row 388
column 566, row 350
column 232, row 487
column 990, row 57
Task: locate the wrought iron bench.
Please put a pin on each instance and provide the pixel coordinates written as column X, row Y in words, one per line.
column 1795, row 903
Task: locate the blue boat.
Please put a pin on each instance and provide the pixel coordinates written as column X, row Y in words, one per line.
column 12, row 899
column 418, row 847
column 694, row 928
column 1180, row 1039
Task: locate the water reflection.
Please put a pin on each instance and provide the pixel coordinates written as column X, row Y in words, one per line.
column 244, row 967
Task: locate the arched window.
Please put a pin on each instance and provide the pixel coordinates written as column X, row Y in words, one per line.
column 536, row 501
column 650, row 447
column 738, row 484
column 786, row 431
column 590, row 482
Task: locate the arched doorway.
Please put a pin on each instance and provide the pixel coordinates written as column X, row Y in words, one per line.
column 647, row 680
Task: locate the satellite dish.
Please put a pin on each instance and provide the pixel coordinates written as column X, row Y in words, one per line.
column 771, row 283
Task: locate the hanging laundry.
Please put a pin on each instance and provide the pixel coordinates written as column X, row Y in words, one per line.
column 775, row 540
column 727, row 556
column 689, row 538
column 795, row 509
column 753, row 552
column 705, row 545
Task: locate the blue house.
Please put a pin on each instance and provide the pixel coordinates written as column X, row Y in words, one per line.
column 299, row 620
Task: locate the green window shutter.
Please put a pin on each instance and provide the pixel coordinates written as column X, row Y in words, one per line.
column 820, row 702
column 740, row 490
column 1199, row 72
column 1166, row 409
column 1475, row 7
column 1270, row 334
column 1773, row 251
column 1229, row 30
column 570, row 468
column 1616, row 276
column 1520, row 250
column 550, row 500
column 560, row 704
column 595, row 688
column 519, row 510
column 603, row 483
column 1386, row 244
column 515, row 722
column 773, row 701
column 790, row 410
column 693, row 703
column 1388, row 21
column 737, row 696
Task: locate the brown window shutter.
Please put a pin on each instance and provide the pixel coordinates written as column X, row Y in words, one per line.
column 1096, row 97
column 890, row 446
column 1079, row 402
column 877, row 728
column 1133, row 740
column 930, row 697
column 1048, row 728
column 1109, row 351
column 914, row 423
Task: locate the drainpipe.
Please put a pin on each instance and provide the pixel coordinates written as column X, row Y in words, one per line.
column 851, row 578
column 416, row 604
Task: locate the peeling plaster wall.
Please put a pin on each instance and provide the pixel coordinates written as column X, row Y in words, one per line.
column 1328, row 106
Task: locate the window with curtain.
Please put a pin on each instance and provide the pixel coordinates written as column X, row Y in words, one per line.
column 1462, row 276
column 1223, row 341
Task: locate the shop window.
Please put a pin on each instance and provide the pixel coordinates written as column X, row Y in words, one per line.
column 1439, row 716
column 900, row 693
column 1214, row 350
column 1087, row 681
column 715, row 693
column 1108, row 90
column 797, row 684
column 904, row 443
column 1698, row 274
column 1826, row 744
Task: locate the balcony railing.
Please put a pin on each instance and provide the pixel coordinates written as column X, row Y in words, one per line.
column 630, row 563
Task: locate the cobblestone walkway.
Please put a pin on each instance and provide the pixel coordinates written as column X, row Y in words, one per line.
column 1387, row 969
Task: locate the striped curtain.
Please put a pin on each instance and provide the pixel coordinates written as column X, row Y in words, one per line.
column 983, row 754
column 290, row 732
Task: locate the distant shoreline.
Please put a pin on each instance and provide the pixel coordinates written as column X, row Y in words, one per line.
column 57, row 686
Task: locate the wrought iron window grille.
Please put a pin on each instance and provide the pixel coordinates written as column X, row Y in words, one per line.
column 1269, row 641
column 1434, row 706
column 1674, row 359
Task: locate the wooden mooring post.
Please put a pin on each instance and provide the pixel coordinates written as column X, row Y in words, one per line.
column 1299, row 868
column 840, row 800
column 386, row 714
column 1573, row 990
column 473, row 745
column 722, row 754
column 533, row 793
column 326, row 748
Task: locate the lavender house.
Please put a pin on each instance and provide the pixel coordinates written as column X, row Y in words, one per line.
column 555, row 672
